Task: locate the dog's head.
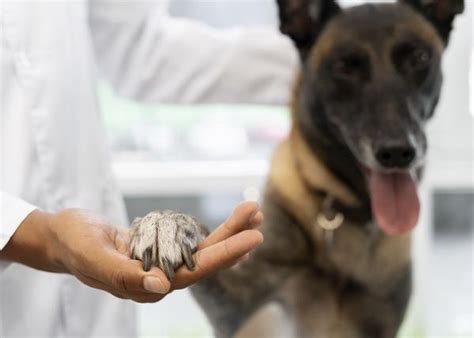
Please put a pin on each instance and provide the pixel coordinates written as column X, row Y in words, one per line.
column 371, row 79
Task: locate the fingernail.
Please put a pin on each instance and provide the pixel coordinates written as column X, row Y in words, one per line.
column 244, row 258
column 153, row 284
column 253, row 219
column 253, row 214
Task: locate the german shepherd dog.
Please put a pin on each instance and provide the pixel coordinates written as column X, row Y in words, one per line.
column 341, row 197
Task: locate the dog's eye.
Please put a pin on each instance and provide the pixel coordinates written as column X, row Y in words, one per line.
column 349, row 66
column 419, row 59
column 412, row 59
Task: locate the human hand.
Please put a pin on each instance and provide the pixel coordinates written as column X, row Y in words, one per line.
column 84, row 244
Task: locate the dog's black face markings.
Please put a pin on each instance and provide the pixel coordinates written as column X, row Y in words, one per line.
column 377, row 85
column 368, row 86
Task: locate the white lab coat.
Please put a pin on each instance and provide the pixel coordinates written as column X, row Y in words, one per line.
column 52, row 152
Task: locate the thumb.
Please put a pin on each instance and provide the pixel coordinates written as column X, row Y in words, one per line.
column 124, row 274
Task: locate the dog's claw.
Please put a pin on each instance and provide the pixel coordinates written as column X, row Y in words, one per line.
column 168, row 269
column 147, row 260
column 188, row 256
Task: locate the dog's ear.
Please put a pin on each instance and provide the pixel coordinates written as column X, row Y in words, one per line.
column 440, row 13
column 303, row 20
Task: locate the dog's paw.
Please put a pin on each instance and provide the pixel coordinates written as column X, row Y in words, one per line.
column 165, row 239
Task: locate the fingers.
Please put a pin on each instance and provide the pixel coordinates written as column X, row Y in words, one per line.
column 245, row 216
column 109, row 267
column 257, row 219
column 218, row 256
column 137, row 296
column 237, row 261
column 123, row 274
column 131, row 277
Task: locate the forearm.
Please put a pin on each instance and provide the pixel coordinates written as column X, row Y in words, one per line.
column 32, row 243
column 149, row 56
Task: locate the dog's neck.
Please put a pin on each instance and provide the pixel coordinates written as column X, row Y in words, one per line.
column 317, row 175
column 298, row 177
column 339, row 161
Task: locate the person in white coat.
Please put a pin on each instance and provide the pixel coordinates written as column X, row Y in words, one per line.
column 53, row 154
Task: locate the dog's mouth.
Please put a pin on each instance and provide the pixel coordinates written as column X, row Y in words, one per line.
column 394, row 200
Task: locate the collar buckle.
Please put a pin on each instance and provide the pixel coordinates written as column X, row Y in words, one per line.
column 329, row 223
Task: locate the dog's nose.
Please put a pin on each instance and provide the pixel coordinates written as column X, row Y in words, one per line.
column 395, row 156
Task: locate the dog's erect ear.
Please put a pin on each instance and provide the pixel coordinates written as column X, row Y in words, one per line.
column 440, row 13
column 303, row 20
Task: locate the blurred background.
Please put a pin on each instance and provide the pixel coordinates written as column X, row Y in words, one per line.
column 204, row 159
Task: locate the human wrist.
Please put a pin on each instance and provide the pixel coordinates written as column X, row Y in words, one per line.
column 49, row 232
column 32, row 243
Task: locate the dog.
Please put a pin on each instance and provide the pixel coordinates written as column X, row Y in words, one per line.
column 341, row 196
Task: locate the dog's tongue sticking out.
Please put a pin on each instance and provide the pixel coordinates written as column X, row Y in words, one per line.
column 395, row 202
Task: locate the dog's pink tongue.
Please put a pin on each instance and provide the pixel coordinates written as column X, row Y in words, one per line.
column 395, row 202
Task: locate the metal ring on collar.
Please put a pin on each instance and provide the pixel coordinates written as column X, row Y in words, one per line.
column 330, row 224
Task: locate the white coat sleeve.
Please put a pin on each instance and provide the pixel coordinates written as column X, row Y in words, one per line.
column 12, row 212
column 150, row 56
